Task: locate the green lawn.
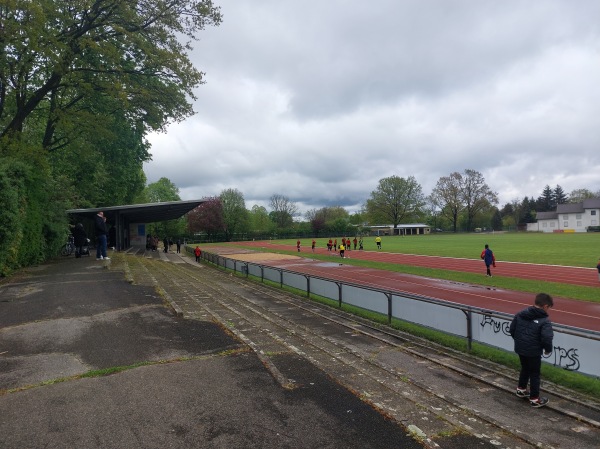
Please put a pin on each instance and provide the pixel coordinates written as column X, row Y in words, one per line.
column 577, row 249
column 554, row 249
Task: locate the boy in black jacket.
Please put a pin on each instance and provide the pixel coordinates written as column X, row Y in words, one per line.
column 532, row 332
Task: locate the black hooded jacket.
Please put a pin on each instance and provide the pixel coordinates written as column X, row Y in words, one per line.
column 100, row 226
column 532, row 331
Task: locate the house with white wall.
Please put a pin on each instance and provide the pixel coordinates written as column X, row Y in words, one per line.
column 575, row 217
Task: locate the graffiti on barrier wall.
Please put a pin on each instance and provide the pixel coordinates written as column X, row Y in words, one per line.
column 497, row 326
column 562, row 357
column 565, row 358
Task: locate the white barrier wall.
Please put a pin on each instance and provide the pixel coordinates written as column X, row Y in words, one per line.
column 452, row 321
column 572, row 352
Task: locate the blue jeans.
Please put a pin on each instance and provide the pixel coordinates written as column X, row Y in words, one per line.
column 101, row 247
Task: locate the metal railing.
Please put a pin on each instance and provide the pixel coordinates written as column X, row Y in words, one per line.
column 574, row 348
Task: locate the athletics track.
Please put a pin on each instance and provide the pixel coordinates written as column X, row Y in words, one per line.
column 581, row 314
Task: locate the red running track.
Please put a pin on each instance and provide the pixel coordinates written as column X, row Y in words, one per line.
column 552, row 273
column 566, row 311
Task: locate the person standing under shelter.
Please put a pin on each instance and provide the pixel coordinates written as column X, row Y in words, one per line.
column 80, row 238
column 101, row 231
column 490, row 260
column 532, row 332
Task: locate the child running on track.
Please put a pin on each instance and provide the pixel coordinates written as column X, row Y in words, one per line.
column 490, row 260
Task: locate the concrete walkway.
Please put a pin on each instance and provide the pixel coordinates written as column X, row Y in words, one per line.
column 88, row 360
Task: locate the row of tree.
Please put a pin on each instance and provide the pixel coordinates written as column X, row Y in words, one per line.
column 459, row 201
column 396, row 200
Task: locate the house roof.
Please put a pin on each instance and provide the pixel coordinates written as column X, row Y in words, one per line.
column 591, row 203
column 570, row 208
column 408, row 225
column 546, row 215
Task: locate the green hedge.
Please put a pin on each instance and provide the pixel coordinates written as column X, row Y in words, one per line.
column 32, row 221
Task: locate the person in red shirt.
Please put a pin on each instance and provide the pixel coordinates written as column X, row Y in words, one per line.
column 355, row 242
column 197, row 253
column 313, row 245
column 298, row 245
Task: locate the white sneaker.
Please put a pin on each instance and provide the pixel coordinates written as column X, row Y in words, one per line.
column 107, row 258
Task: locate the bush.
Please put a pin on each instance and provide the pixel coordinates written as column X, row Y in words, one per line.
column 32, row 223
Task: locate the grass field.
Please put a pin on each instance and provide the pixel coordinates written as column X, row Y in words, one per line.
column 578, row 249
column 582, row 250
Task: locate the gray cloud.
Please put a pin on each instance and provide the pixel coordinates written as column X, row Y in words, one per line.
column 317, row 101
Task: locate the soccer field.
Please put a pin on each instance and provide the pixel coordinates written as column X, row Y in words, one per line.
column 577, row 249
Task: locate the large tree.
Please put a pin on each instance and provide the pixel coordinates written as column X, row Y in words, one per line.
column 235, row 215
column 463, row 193
column 560, row 197
column 396, row 200
column 55, row 54
column 447, row 196
column 207, row 218
column 578, row 195
column 162, row 191
column 546, row 202
column 283, row 211
column 260, row 221
column 476, row 195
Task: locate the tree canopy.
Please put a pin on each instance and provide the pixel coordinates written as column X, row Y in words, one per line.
column 235, row 215
column 58, row 55
column 395, row 200
column 466, row 192
column 283, row 211
column 82, row 83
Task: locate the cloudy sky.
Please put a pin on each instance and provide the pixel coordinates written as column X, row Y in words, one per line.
column 317, row 100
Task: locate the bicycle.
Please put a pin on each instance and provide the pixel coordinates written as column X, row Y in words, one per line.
column 69, row 247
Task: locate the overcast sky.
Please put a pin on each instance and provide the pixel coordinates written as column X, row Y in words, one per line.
column 317, row 100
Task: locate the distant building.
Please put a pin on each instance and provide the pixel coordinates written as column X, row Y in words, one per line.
column 402, row 229
column 575, row 217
